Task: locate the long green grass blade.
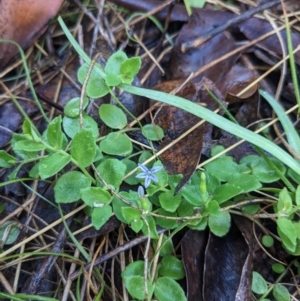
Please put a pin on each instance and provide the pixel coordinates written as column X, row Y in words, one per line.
column 218, row 121
column 289, row 129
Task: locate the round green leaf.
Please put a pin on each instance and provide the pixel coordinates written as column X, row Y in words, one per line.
column 129, row 69
column 219, row 225
column 72, row 107
column 96, row 86
column 281, row 293
column 167, row 289
column 112, row 171
column 136, row 287
column 130, row 214
column 278, row 268
column 52, row 164
column 117, row 144
column 114, row 62
column 72, row 126
column 67, row 187
column 222, row 168
column 83, row 148
column 100, row 216
column 136, row 225
column 153, row 132
column 112, row 80
column 168, row 201
column 267, row 241
column 112, row 116
column 259, row 284
column 172, row 267
column 95, row 196
column 165, row 222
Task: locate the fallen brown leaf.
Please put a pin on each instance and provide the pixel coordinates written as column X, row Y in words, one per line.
column 23, row 21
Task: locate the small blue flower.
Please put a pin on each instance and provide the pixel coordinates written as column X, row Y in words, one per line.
column 148, row 174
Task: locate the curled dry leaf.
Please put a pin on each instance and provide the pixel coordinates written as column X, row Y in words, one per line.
column 183, row 156
column 23, row 21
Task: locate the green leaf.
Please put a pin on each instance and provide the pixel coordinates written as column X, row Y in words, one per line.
column 112, row 116
column 112, row 80
column 100, row 216
column 287, row 233
column 119, row 204
column 150, row 226
column 131, row 180
column 259, row 284
column 172, row 267
column 285, row 203
column 72, row 126
column 6, row 160
column 261, row 169
column 213, row 208
column 96, row 86
column 136, row 225
column 166, row 246
column 52, row 164
column 152, row 132
column 136, row 287
column 22, row 154
column 95, row 196
column 191, row 193
column 117, row 144
column 134, row 280
column 199, row 225
column 129, row 69
column 72, row 107
column 219, row 225
column 226, row 192
column 27, row 127
column 165, row 222
column 9, row 232
column 251, row 209
column 222, row 168
column 281, row 293
column 135, row 268
column 28, row 146
column 168, row 201
column 112, row 171
column 83, row 148
column 55, row 134
column 245, row 181
column 267, row 241
column 278, row 268
column 167, row 289
column 114, row 62
column 67, row 187
column 130, row 214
